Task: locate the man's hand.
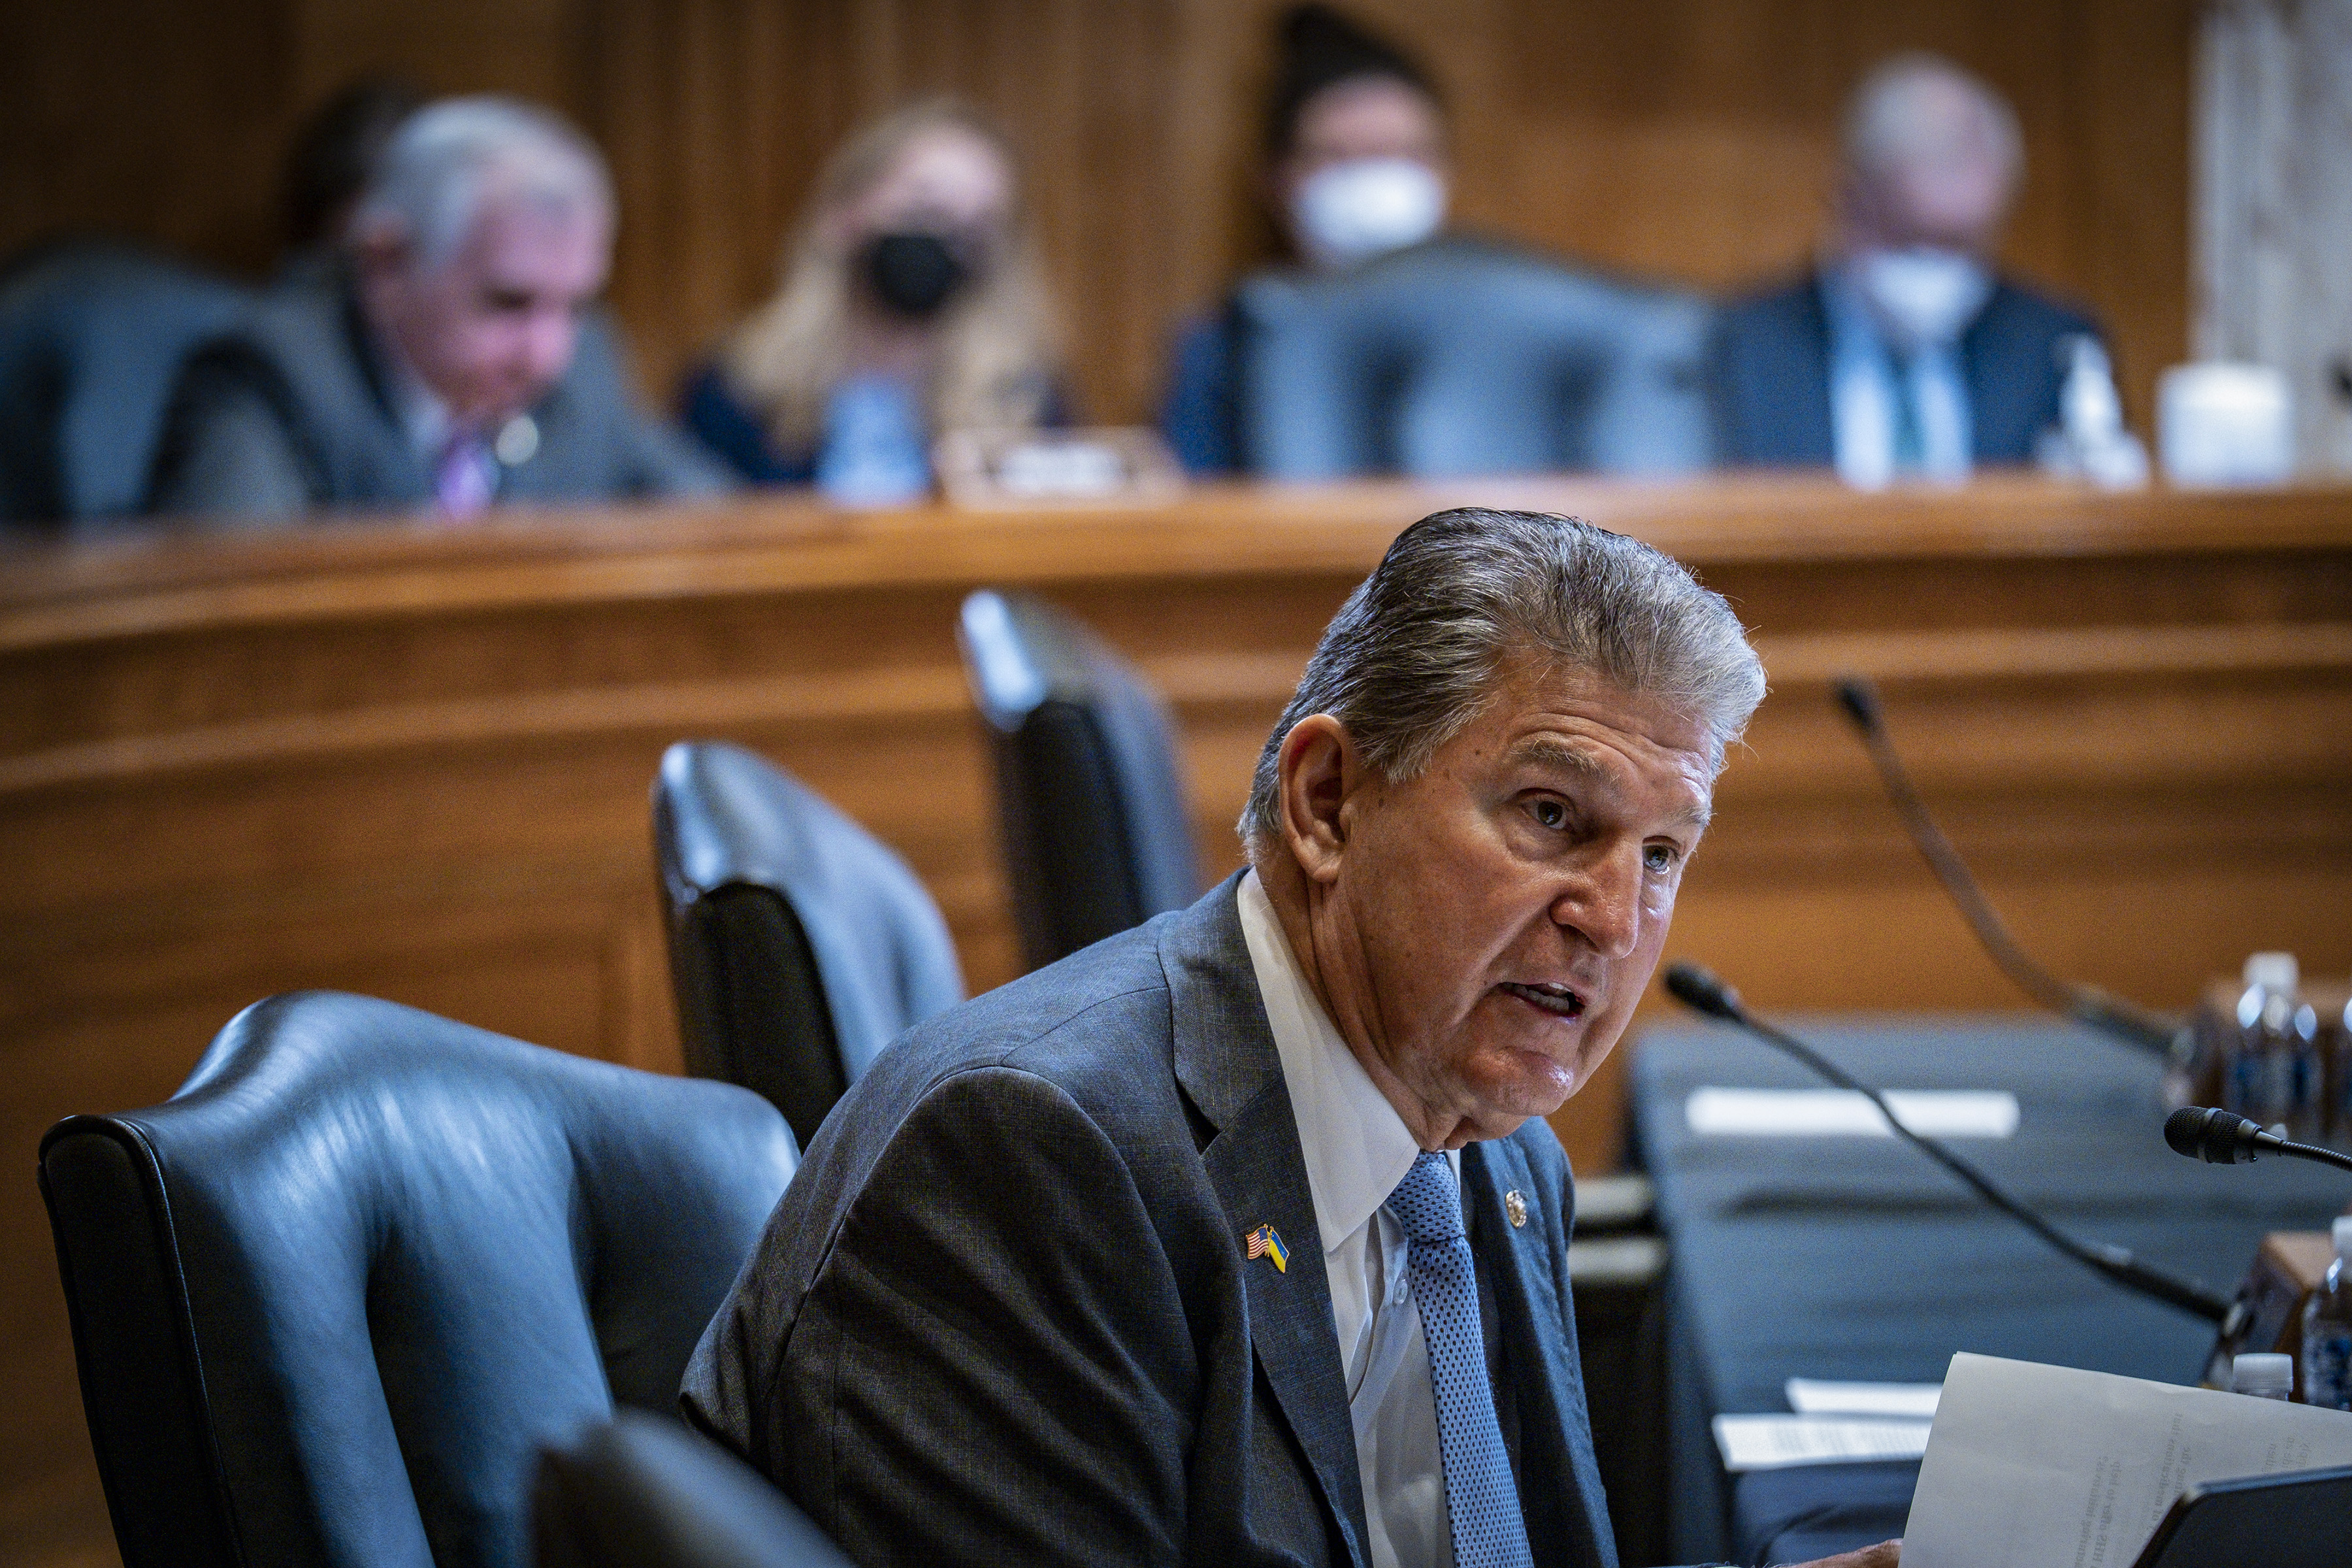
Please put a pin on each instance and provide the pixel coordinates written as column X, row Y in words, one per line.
column 1886, row 1554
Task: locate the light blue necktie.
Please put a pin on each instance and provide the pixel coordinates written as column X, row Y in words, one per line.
column 1488, row 1531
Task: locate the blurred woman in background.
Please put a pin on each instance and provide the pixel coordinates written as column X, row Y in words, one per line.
column 913, row 303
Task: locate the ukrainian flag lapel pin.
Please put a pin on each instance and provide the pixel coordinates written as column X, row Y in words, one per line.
column 1264, row 1242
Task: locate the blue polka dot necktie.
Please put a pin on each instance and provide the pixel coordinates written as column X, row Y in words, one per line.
column 1488, row 1530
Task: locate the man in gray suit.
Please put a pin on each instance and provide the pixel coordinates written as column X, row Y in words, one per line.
column 449, row 361
column 1239, row 1239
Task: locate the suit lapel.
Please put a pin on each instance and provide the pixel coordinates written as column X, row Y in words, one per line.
column 1227, row 1063
column 1812, row 422
column 1569, row 1524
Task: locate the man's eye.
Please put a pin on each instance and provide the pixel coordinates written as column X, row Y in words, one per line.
column 1659, row 856
column 1549, row 812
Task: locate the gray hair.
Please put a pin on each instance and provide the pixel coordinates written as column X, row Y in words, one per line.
column 1413, row 654
column 1893, row 117
column 429, row 185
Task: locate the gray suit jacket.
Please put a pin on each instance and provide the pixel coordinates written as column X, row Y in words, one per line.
column 287, row 413
column 1004, row 1313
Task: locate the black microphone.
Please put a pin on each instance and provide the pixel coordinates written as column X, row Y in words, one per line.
column 2084, row 1004
column 2225, row 1138
column 1700, row 991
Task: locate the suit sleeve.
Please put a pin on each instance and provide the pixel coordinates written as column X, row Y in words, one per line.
column 993, row 1365
column 226, row 452
column 668, row 462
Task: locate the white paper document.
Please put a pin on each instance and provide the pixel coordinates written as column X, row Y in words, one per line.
column 2044, row 1467
column 1905, row 1401
column 1768, row 1442
column 1840, row 1112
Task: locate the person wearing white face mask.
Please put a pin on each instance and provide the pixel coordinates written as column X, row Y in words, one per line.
column 1357, row 169
column 1903, row 355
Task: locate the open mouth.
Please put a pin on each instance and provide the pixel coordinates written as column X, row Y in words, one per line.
column 1556, row 1000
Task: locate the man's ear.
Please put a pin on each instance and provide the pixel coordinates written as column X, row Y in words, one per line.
column 1319, row 771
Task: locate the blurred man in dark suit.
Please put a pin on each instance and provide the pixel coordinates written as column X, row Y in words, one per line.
column 441, row 366
column 1903, row 355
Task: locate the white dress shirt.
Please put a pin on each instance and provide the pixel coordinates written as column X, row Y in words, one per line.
column 1358, row 1149
column 1863, row 396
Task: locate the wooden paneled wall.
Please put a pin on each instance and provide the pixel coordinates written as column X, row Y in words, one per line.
column 1688, row 138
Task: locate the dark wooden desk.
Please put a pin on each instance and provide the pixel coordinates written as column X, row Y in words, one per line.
column 414, row 763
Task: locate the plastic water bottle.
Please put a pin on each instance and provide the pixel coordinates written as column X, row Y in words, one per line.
column 2273, row 1074
column 2327, row 1331
column 2090, row 441
column 2339, row 1044
column 2264, row 1375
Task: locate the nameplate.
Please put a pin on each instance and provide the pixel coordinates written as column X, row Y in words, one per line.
column 1843, row 1113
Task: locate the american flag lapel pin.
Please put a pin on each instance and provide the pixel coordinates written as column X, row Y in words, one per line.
column 1264, row 1242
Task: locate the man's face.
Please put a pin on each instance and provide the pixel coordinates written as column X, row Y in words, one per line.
column 1949, row 190
column 490, row 329
column 1496, row 917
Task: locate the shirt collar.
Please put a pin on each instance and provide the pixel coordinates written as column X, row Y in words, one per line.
column 1357, row 1147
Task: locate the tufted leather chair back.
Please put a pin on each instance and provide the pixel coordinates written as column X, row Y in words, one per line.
column 642, row 1493
column 1464, row 357
column 329, row 1300
column 1097, row 836
column 800, row 946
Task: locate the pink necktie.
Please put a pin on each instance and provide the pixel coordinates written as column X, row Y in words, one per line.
column 461, row 481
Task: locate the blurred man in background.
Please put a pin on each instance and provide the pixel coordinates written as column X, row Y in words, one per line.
column 1903, row 354
column 441, row 366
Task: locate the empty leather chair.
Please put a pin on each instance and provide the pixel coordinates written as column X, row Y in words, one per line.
column 646, row 1493
column 92, row 334
column 799, row 944
column 331, row 1300
column 1097, row 836
column 1464, row 357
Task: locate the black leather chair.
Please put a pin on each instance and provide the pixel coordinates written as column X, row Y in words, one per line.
column 799, row 944
column 1097, row 836
column 332, row 1298
column 643, row 1493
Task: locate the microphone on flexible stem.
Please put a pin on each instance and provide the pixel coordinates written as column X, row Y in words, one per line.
column 1700, row 991
column 2225, row 1138
column 2085, row 1004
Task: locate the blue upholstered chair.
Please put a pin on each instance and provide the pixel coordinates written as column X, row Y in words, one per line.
column 646, row 1493
column 1463, row 357
column 332, row 1298
column 91, row 335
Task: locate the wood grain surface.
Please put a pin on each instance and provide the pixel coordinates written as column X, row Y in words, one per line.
column 1689, row 139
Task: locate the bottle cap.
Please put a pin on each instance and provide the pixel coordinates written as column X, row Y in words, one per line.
column 2341, row 1234
column 2263, row 1373
column 2274, row 971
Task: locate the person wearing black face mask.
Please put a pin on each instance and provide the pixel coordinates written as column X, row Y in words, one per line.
column 913, row 274
column 912, row 304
